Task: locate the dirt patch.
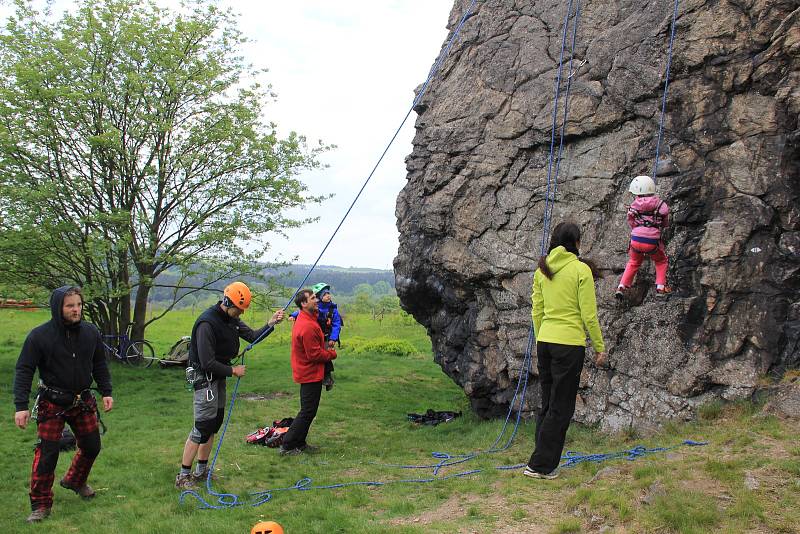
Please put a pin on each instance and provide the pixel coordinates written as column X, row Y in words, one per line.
column 452, row 508
column 264, row 396
column 705, row 485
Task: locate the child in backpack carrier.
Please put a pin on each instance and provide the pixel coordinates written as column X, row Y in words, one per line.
column 648, row 215
column 331, row 323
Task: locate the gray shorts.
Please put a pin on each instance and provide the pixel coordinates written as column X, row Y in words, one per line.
column 208, row 410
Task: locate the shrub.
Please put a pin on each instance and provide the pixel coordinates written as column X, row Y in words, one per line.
column 381, row 345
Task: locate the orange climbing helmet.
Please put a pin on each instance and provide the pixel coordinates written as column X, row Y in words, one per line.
column 266, row 527
column 237, row 294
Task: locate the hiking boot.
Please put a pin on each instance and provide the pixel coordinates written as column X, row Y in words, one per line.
column 536, row 474
column 38, row 514
column 84, row 492
column 663, row 292
column 309, row 449
column 327, row 381
column 619, row 294
column 201, row 477
column 184, row 481
column 290, row 452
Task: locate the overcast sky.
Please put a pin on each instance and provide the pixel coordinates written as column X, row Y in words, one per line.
column 344, row 72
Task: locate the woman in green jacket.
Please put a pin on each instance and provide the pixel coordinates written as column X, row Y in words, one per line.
column 564, row 309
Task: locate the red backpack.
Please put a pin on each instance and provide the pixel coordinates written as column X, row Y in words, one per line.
column 270, row 436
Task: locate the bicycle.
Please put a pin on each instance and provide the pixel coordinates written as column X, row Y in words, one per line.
column 138, row 353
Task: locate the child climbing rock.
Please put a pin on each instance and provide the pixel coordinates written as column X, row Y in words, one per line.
column 648, row 215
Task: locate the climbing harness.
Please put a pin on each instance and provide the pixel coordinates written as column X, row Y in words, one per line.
column 648, row 219
column 66, row 400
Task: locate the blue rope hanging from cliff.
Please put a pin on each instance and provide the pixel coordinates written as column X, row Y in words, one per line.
column 666, row 88
column 228, row 500
column 550, row 197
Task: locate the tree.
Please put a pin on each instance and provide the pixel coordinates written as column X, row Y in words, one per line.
column 382, row 287
column 132, row 141
column 363, row 288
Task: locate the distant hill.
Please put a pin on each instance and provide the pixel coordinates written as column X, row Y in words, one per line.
column 342, row 279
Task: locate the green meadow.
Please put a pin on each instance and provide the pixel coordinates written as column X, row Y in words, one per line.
column 747, row 479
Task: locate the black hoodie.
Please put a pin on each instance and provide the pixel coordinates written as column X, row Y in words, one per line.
column 68, row 357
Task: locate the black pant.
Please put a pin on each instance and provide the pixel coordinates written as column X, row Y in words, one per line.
column 559, row 374
column 295, row 437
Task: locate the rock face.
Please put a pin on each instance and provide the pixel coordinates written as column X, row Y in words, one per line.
column 470, row 217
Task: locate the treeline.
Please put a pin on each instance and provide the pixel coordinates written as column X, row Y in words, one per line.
column 344, row 281
column 278, row 281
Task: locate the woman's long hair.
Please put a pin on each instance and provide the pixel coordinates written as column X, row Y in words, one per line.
column 567, row 235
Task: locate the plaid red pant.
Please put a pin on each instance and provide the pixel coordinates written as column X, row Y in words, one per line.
column 83, row 421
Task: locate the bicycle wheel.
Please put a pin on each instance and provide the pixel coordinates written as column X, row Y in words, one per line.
column 140, row 354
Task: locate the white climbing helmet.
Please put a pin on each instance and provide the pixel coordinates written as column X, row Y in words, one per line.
column 642, row 185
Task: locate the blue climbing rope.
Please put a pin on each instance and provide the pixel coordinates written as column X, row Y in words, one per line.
column 666, row 88
column 572, row 458
column 557, row 92
column 571, row 73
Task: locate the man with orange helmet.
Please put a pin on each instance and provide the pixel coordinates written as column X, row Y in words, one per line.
column 214, row 343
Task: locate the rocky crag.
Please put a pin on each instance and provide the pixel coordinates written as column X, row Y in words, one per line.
column 470, row 217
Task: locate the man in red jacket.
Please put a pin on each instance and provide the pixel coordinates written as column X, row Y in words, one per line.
column 308, row 368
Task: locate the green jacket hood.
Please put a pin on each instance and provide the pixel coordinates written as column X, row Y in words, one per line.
column 559, row 258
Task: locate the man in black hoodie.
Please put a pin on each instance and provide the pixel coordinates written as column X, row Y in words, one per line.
column 69, row 354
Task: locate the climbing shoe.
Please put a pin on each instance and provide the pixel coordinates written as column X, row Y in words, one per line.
column 184, row 481
column 664, row 291
column 536, row 474
column 619, row 294
column 84, row 492
column 38, row 514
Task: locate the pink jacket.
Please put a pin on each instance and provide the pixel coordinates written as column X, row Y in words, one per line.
column 643, row 220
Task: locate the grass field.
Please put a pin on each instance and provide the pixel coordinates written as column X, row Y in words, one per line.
column 746, row 480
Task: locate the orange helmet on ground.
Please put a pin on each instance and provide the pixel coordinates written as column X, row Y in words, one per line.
column 237, row 294
column 266, row 527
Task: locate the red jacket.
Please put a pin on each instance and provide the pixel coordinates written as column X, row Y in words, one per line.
column 308, row 350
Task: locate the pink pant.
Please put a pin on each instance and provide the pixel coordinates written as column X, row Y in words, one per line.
column 638, row 252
